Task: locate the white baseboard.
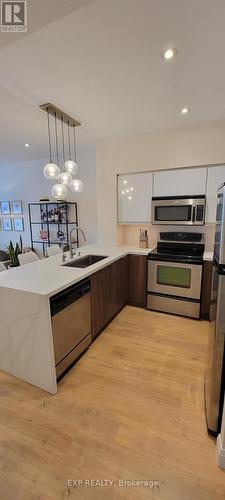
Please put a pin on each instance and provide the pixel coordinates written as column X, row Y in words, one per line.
column 220, row 453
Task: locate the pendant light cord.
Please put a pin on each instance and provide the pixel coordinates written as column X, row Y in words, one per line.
column 74, row 142
column 69, row 139
column 63, row 144
column 49, row 138
column 56, row 141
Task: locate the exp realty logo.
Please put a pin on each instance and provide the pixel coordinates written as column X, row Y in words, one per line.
column 13, row 16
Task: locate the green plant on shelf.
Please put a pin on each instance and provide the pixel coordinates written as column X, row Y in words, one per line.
column 14, row 251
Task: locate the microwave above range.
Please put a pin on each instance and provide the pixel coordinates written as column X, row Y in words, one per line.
column 179, row 210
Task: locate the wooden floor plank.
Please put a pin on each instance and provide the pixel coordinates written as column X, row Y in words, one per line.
column 131, row 408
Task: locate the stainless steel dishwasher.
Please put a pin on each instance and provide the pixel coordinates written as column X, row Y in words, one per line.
column 71, row 323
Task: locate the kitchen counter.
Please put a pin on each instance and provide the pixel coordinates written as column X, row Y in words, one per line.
column 26, row 343
column 49, row 276
column 208, row 256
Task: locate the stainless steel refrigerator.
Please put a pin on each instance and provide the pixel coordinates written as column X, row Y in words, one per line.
column 215, row 373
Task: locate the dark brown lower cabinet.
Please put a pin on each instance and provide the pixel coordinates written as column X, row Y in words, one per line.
column 125, row 281
column 108, row 294
column 206, row 289
column 137, row 280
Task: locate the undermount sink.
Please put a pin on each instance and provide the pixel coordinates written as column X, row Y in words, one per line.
column 86, row 261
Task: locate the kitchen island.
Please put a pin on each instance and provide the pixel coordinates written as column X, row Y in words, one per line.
column 26, row 342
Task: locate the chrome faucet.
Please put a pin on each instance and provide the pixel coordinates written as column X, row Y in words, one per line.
column 77, row 228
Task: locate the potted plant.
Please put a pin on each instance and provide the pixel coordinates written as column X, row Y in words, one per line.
column 14, row 251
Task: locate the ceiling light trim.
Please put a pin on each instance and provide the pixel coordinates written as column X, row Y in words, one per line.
column 169, row 53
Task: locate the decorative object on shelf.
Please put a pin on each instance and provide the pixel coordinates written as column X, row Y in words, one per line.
column 14, row 251
column 5, row 208
column 143, row 239
column 17, row 208
column 61, row 237
column 50, row 223
column 44, row 198
column 7, row 224
column 18, row 224
column 68, row 177
column 44, row 235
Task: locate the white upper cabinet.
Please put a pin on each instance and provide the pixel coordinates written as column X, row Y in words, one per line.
column 180, row 182
column 135, row 190
column 216, row 177
column 192, row 181
column 134, row 197
column 165, row 183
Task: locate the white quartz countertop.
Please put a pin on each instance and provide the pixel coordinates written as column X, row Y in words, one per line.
column 49, row 276
column 208, row 256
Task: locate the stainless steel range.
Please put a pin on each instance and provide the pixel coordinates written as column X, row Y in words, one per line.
column 175, row 274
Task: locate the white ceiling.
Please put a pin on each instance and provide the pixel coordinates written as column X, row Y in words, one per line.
column 40, row 13
column 103, row 65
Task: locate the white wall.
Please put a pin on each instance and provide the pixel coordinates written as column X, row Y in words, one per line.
column 187, row 146
column 25, row 181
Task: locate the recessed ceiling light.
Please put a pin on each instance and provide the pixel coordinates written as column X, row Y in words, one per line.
column 129, row 198
column 125, row 182
column 169, row 54
column 184, row 111
column 26, row 145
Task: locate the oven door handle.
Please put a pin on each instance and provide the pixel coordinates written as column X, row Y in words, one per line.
column 193, row 215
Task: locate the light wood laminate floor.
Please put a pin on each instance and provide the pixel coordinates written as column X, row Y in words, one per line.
column 131, row 408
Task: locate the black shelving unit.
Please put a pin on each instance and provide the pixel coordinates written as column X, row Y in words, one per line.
column 70, row 219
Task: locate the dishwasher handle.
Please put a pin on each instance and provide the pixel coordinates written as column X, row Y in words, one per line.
column 65, row 298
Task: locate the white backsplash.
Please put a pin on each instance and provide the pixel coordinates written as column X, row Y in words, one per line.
column 128, row 234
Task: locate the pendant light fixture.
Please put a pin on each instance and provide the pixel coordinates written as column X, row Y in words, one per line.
column 65, row 177
column 76, row 184
column 59, row 191
column 70, row 165
column 68, row 178
column 51, row 170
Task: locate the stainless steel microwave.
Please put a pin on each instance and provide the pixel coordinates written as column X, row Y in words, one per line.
column 179, row 210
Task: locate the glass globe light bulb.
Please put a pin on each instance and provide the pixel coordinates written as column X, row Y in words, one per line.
column 71, row 167
column 59, row 191
column 76, row 186
column 51, row 171
column 65, row 178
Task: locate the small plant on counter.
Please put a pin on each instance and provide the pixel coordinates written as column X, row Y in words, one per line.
column 14, row 251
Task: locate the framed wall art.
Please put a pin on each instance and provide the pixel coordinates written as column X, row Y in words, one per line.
column 7, row 224
column 17, row 208
column 5, row 208
column 18, row 224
